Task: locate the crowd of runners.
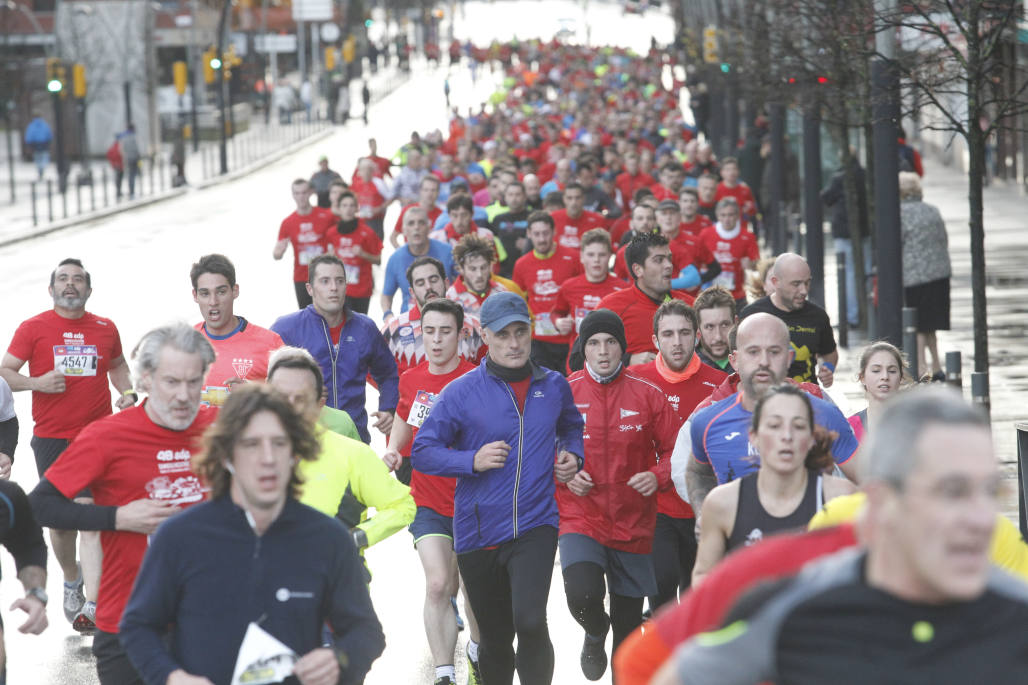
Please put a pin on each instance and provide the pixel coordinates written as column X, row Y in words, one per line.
column 576, row 359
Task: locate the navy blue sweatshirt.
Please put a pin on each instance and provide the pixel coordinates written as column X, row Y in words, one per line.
column 207, row 575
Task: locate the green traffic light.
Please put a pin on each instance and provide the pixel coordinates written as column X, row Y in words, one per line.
column 367, row 23
column 54, row 86
column 215, row 63
column 726, row 67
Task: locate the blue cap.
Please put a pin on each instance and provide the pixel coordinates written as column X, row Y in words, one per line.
column 502, row 309
column 476, row 168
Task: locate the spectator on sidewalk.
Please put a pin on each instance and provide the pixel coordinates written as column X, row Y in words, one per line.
column 130, row 155
column 117, row 164
column 37, row 139
column 834, row 197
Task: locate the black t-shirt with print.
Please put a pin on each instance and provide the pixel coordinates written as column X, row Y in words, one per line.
column 810, row 331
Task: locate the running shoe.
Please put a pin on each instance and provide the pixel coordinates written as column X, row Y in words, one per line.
column 594, row 658
column 456, row 611
column 474, row 673
column 444, row 680
column 85, row 622
column 74, row 598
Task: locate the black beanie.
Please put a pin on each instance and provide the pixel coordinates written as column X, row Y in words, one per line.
column 603, row 321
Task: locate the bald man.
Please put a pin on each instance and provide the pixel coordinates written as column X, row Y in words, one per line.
column 810, row 329
column 712, row 446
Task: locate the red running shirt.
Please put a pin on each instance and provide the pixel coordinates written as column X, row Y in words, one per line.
column 123, row 458
column 418, row 391
column 84, row 348
column 307, row 235
column 359, row 281
column 568, row 231
column 541, row 278
column 578, row 296
column 730, row 253
column 243, row 354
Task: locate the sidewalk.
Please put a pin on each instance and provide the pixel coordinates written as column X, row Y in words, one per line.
column 247, row 151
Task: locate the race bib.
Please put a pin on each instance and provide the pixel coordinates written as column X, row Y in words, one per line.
column 214, row 395
column 353, row 273
column 580, row 313
column 544, row 326
column 726, row 279
column 421, row 407
column 76, row 360
column 308, row 253
column 263, row 659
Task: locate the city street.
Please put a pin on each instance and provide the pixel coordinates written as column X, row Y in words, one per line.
column 140, row 259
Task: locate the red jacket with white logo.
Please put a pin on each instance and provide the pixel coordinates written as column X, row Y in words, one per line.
column 628, row 425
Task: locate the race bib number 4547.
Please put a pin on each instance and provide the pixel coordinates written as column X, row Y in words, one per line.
column 76, row 360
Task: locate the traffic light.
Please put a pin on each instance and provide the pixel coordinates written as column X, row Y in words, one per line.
column 367, row 20
column 78, row 80
column 822, row 80
column 180, row 74
column 726, row 67
column 330, row 58
column 349, row 49
column 54, row 80
column 710, row 47
column 209, row 58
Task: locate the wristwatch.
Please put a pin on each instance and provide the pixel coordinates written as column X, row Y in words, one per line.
column 39, row 593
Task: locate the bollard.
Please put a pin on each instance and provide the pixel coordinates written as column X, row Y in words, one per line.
column 64, row 199
column 953, row 364
column 104, row 184
column 78, row 198
column 35, row 216
column 980, row 389
column 92, row 194
column 840, row 277
column 872, row 317
column 150, row 165
column 160, row 173
column 50, row 200
column 1022, row 468
column 910, row 340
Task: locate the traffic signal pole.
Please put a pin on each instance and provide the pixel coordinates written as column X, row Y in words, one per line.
column 222, row 137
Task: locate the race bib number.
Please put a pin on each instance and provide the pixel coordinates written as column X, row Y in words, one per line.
column 214, row 395
column 308, row 253
column 544, row 326
column 726, row 279
column 421, row 407
column 353, row 274
column 76, row 360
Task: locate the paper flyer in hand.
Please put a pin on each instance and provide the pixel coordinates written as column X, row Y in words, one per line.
column 263, row 659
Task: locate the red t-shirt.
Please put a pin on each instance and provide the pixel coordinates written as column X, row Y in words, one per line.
column 662, row 192
column 578, row 296
column 359, row 281
column 619, row 228
column 696, row 226
column 682, row 255
column 84, row 348
column 742, row 194
column 636, row 310
column 683, row 397
column 568, row 231
column 433, row 214
column 243, row 354
column 541, row 279
column 307, row 235
column 123, row 458
column 629, row 184
column 730, row 254
column 370, row 201
column 418, row 391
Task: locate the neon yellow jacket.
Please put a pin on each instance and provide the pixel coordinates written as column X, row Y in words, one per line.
column 1007, row 549
column 346, row 479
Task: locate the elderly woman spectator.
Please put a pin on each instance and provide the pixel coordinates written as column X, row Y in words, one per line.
column 926, row 269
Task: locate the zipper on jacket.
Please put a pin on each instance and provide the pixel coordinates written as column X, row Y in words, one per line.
column 521, row 442
column 333, row 354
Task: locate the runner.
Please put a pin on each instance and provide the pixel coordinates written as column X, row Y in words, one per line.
column 505, row 515
column 608, row 510
column 581, row 294
column 460, row 187
column 932, row 483
column 632, row 178
column 415, row 232
column 883, row 373
column 356, row 244
column 785, row 492
column 137, row 464
column 305, row 230
column 685, row 381
column 71, row 355
column 540, row 274
column 321, row 182
column 442, row 321
column 8, row 429
column 176, row 630
column 649, row 259
column 572, row 222
column 474, row 257
column 346, row 345
column 693, row 262
column 713, row 447
column 511, row 227
column 459, row 209
column 706, row 192
column 428, row 197
column 810, row 329
column 242, row 349
column 693, row 222
column 715, row 309
column 731, row 186
column 371, row 191
column 732, row 244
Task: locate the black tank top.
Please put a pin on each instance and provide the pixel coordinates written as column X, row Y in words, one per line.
column 753, row 523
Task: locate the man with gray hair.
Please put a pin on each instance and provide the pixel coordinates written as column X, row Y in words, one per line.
column 138, row 466
column 909, row 593
column 810, row 329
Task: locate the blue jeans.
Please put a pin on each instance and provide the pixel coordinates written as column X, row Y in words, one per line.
column 845, row 246
column 42, row 159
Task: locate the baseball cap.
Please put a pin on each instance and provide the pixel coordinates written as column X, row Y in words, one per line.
column 476, row 168
column 668, row 204
column 502, row 309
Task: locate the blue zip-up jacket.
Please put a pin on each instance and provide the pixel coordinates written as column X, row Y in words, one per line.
column 498, row 505
column 207, row 575
column 345, row 366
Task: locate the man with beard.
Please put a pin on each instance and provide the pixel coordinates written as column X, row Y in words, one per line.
column 71, row 354
column 713, row 446
column 715, row 309
column 474, row 257
column 138, row 466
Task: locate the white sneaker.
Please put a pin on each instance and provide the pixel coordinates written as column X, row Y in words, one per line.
column 74, row 598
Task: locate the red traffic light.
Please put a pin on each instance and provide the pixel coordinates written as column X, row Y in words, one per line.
column 822, row 80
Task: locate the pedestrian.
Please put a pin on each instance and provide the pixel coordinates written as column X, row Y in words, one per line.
column 366, row 99
column 195, row 618
column 37, row 138
column 305, row 230
column 843, row 229
column 343, row 105
column 446, row 91
column 883, row 373
column 321, row 182
column 130, row 154
column 926, row 270
column 117, row 163
column 307, row 97
column 505, row 430
column 72, row 356
column 137, row 465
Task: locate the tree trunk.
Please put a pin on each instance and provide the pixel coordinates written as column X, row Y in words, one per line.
column 976, row 223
